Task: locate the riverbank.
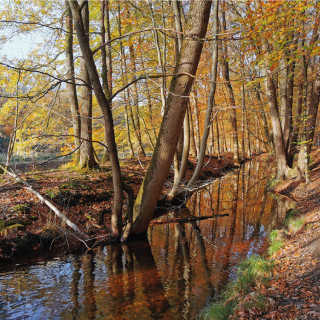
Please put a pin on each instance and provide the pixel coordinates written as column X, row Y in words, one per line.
column 293, row 291
column 85, row 197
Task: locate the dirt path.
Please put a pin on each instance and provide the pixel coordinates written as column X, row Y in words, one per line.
column 294, row 291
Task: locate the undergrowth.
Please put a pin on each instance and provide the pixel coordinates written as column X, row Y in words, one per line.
column 293, row 221
column 5, row 228
column 254, row 270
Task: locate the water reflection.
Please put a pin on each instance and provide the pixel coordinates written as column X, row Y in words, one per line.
column 171, row 277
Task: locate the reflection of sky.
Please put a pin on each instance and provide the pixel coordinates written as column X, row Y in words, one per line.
column 19, row 46
column 36, row 292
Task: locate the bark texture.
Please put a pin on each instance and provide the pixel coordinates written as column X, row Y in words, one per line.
column 87, row 158
column 71, row 85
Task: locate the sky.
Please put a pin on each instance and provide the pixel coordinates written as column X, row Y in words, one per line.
column 20, row 45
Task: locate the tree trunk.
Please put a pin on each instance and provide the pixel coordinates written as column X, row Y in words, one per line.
column 312, row 106
column 176, row 105
column 243, row 98
column 184, row 158
column 218, row 137
column 283, row 170
column 264, row 119
column 128, row 132
column 195, row 113
column 292, row 150
column 136, row 102
column 148, row 95
column 193, row 150
column 181, row 155
column 211, row 102
column 86, row 150
column 104, row 103
column 106, row 64
column 71, row 85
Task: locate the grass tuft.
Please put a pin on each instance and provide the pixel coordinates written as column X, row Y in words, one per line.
column 276, row 242
column 218, row 311
column 255, row 269
column 296, row 224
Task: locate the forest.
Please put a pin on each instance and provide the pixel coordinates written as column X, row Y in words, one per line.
column 177, row 140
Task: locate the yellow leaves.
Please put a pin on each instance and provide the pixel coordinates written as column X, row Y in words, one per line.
column 315, row 51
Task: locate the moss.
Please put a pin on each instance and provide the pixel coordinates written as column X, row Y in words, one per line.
column 275, row 247
column 22, row 208
column 291, row 214
column 52, row 193
column 6, row 227
column 273, row 183
column 293, row 221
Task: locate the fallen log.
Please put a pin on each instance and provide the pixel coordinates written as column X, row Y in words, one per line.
column 43, row 200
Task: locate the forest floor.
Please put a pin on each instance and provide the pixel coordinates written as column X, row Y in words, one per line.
column 294, row 291
column 85, row 197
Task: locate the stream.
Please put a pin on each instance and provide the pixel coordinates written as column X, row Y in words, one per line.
column 174, row 275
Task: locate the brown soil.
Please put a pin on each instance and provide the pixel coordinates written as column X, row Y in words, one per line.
column 85, row 197
column 294, row 291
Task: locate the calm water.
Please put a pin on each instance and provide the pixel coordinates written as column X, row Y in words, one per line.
column 172, row 276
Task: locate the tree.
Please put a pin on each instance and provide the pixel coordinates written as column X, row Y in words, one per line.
column 71, row 85
column 211, row 101
column 175, row 110
column 284, row 52
column 87, row 159
column 104, row 103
